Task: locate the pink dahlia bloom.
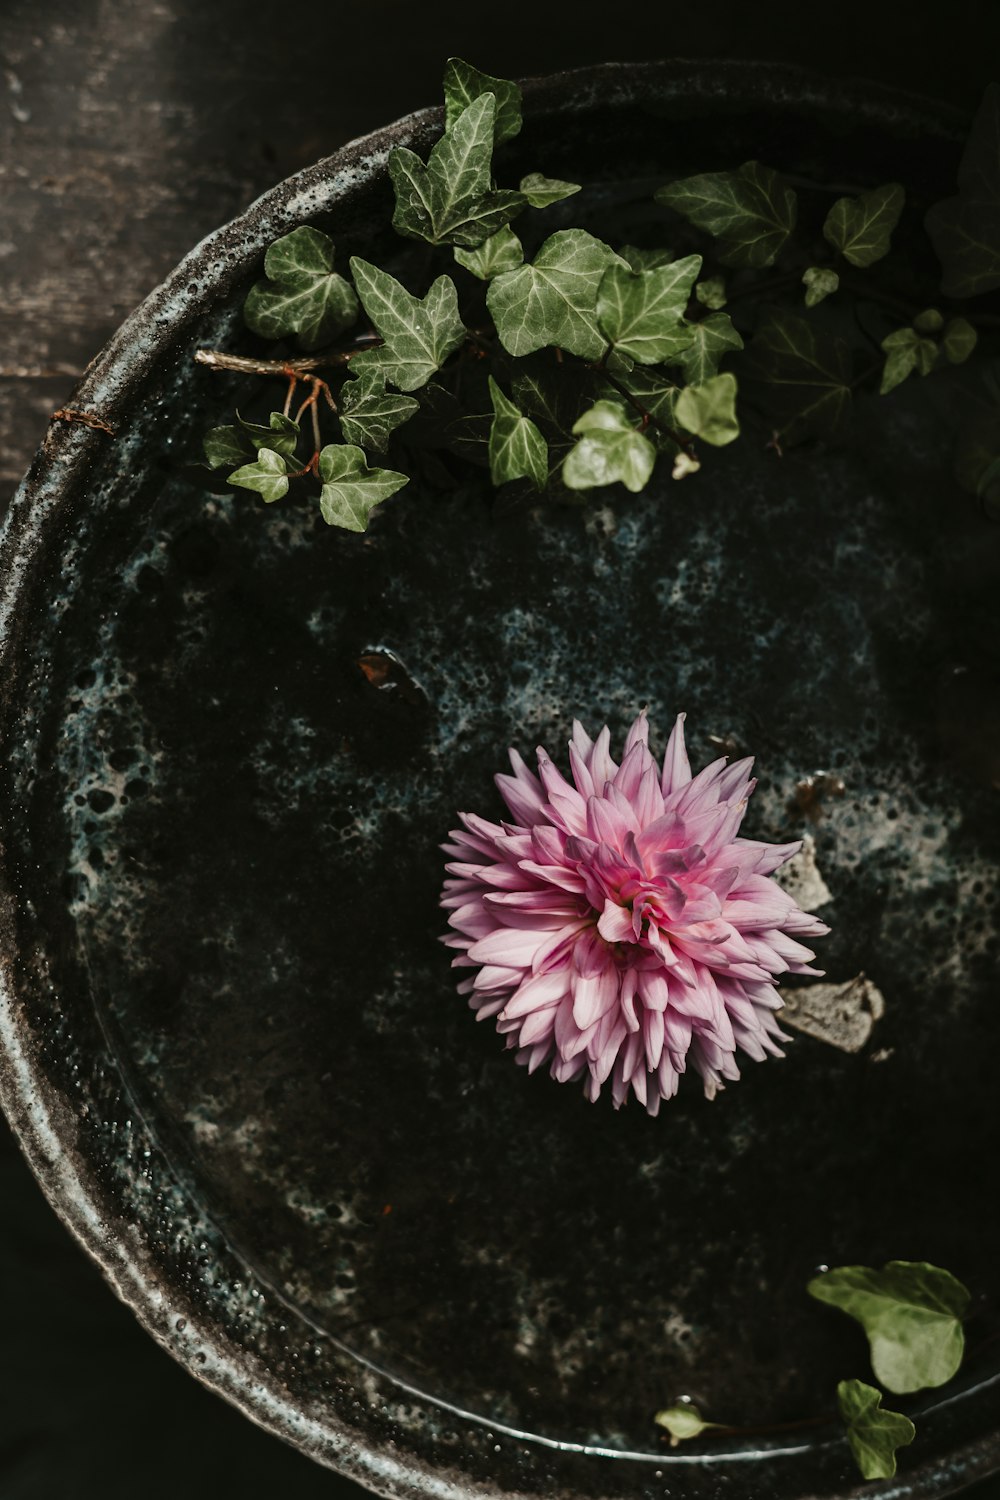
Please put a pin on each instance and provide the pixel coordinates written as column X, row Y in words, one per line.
column 619, row 927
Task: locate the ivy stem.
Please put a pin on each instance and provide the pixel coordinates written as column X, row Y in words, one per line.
column 216, row 359
column 648, row 420
column 293, row 381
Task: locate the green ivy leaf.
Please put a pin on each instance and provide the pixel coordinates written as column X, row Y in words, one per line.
column 501, row 252
column 554, row 299
column 959, row 340
column 645, row 260
column 709, row 410
column 819, row 282
column 369, row 413
column 929, row 321
column 351, row 490
column 861, row 228
column 912, row 1314
column 540, row 191
column 713, row 337
column 464, row 84
column 905, row 352
column 711, row 292
column 965, row 230
column 751, row 212
column 267, row 475
column 517, row 449
column 610, row 449
column 451, row 200
column 640, row 312
column 802, row 375
column 418, row 333
column 281, row 434
column 302, row 294
column 682, row 1421
column 874, row 1434
column 226, row 445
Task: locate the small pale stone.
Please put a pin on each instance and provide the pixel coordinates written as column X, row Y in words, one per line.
column 802, row 879
column 841, row 1014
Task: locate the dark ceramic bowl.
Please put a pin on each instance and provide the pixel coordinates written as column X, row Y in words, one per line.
column 231, row 1045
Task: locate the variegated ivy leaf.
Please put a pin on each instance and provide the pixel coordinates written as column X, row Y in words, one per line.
column 418, row 333
column 281, row 434
column 709, row 410
column 540, row 191
column 554, row 299
column 861, row 228
column 640, row 312
column 873, row 1434
column 711, row 338
column 819, row 282
column 906, row 350
column 611, row 449
column 451, row 199
column 351, row 490
column 959, row 340
column 711, row 292
column 267, row 475
column 751, row 212
column 226, row 445
column 369, row 413
column 302, row 295
column 464, row 84
column 912, row 1313
column 965, row 230
column 517, row 449
column 501, row 252
column 801, row 376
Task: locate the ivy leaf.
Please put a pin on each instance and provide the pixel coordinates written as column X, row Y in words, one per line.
column 418, row 333
column 540, row 191
column 351, row 490
column 554, row 299
column 501, row 252
column 640, row 311
column 281, row 434
column 929, row 321
column 874, row 1434
column 709, row 410
column 610, row 449
column 682, row 1421
column 369, row 413
column 711, row 292
column 713, row 337
column 905, row 352
column 451, row 200
column 517, row 448
column 751, row 212
column 645, row 260
column 819, row 282
column 802, row 375
column 464, row 84
column 267, row 475
column 302, row 294
column 965, row 230
column 959, row 340
column 552, row 397
column 912, row 1314
column 861, row 228
column 226, row 445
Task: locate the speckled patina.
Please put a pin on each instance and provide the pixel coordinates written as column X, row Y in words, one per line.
column 233, row 1048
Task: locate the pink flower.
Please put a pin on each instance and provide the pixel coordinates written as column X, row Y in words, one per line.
column 618, row 926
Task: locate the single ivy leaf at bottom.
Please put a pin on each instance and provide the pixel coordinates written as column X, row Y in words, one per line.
column 267, row 475
column 820, row 282
column 517, row 449
column 711, row 338
column 906, row 351
column 683, row 1421
column 369, row 413
column 912, row 1314
column 351, row 490
column 959, row 340
column 801, row 375
column 874, row 1434
column 709, row 410
column 611, row 449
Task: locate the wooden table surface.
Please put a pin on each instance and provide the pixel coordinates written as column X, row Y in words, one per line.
column 128, row 130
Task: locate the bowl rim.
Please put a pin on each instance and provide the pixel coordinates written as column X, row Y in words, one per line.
column 41, row 1118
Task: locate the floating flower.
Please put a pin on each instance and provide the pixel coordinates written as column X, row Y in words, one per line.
column 618, row 926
